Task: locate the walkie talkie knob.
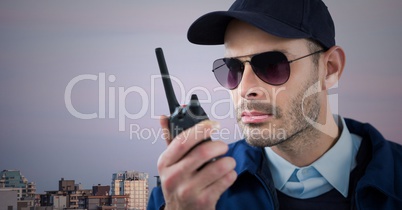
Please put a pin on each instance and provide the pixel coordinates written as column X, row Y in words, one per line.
column 194, row 106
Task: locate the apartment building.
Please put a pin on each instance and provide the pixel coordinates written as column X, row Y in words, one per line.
column 13, row 179
column 135, row 185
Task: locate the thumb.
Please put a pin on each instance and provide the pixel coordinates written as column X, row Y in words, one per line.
column 164, row 121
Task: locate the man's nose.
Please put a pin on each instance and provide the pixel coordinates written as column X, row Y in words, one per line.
column 250, row 85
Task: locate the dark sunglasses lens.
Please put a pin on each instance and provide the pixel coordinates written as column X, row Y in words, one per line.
column 228, row 72
column 271, row 67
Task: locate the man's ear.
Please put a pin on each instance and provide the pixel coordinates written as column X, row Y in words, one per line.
column 334, row 63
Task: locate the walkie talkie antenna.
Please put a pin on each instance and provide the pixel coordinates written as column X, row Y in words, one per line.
column 167, row 83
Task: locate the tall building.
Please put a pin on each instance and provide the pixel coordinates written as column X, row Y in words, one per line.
column 14, row 179
column 135, row 185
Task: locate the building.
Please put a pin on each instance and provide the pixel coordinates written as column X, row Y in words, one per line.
column 100, row 190
column 115, row 202
column 119, row 202
column 75, row 200
column 28, row 202
column 69, row 195
column 8, row 199
column 13, row 179
column 59, row 202
column 66, row 185
column 135, row 185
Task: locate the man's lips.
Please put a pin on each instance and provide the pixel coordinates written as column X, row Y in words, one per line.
column 255, row 117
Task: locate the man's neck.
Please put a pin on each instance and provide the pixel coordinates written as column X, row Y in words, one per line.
column 310, row 144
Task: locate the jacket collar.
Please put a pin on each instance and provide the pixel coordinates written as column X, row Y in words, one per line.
column 248, row 158
column 381, row 169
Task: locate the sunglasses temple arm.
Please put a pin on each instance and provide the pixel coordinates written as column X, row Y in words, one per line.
column 319, row 51
column 217, row 67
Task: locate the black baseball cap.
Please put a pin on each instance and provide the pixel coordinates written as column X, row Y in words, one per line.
column 284, row 18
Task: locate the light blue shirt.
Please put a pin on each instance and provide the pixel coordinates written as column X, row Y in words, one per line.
column 330, row 171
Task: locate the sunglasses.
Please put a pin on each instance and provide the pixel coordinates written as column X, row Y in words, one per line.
column 271, row 67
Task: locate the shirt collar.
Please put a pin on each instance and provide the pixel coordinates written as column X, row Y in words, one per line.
column 335, row 165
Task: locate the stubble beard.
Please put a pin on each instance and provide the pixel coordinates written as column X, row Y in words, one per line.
column 284, row 126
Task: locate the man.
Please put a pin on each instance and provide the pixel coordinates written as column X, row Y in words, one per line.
column 280, row 60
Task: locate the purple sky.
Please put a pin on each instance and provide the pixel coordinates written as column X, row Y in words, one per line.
column 44, row 45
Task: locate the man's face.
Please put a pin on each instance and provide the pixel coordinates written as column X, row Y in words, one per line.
column 267, row 114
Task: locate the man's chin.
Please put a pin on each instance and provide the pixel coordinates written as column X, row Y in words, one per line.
column 260, row 142
column 264, row 134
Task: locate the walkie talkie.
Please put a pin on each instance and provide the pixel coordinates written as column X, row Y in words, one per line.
column 181, row 117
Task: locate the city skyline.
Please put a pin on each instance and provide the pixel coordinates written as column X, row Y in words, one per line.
column 32, row 182
column 130, row 188
column 80, row 92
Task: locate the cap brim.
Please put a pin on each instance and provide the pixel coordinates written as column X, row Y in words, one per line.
column 210, row 28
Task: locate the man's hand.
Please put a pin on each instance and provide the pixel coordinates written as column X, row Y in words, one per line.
column 184, row 185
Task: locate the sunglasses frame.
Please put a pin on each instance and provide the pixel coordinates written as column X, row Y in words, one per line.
column 255, row 71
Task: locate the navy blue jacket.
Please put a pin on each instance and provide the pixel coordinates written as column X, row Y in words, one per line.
column 380, row 187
